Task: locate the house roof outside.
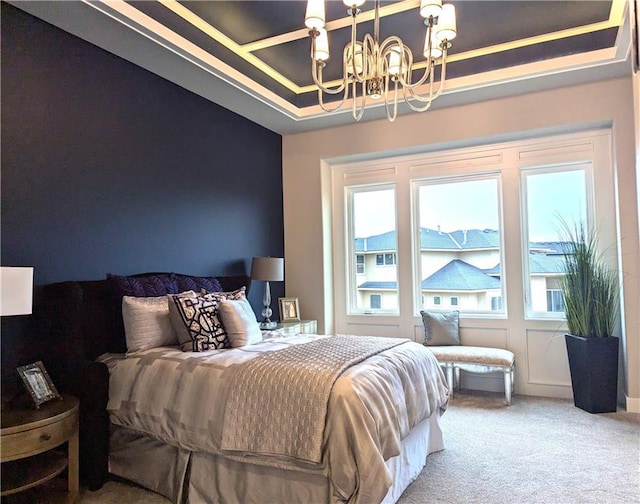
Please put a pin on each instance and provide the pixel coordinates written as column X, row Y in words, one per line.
column 460, row 276
column 434, row 239
column 379, row 285
column 545, row 258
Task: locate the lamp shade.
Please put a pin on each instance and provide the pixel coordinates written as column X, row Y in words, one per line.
column 16, row 292
column 446, row 27
column 314, row 19
column 430, row 8
column 268, row 269
column 322, row 46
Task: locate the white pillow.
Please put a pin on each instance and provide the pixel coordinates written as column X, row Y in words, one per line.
column 240, row 322
column 147, row 323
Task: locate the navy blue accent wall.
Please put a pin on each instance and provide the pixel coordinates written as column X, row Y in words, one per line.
column 108, row 168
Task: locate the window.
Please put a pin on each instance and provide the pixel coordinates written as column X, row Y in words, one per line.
column 555, row 301
column 372, row 223
column 409, row 229
column 554, row 197
column 385, row 259
column 459, row 246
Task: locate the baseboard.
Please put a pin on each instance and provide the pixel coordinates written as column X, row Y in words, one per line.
column 632, row 404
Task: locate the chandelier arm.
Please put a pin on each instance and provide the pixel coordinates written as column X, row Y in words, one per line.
column 394, row 40
column 431, row 97
column 416, row 97
column 430, row 64
column 327, row 109
column 345, row 57
column 316, row 71
column 318, row 82
column 443, row 72
column 368, row 58
column 357, row 114
column 391, row 117
column 340, row 104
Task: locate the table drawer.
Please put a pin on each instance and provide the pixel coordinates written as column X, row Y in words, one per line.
column 38, row 440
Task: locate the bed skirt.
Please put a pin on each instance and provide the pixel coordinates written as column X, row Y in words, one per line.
column 202, row 478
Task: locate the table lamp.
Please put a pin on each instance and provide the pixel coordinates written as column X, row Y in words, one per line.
column 267, row 269
column 16, row 291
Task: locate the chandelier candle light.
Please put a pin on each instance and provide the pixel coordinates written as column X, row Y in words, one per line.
column 382, row 70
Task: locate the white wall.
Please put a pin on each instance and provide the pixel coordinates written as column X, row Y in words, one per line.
column 636, row 108
column 307, row 187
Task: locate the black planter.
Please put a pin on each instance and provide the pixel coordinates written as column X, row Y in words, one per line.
column 593, row 363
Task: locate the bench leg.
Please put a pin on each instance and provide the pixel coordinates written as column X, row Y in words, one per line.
column 450, row 382
column 508, row 384
column 456, row 377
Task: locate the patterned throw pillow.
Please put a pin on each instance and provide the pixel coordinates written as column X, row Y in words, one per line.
column 441, row 328
column 196, row 320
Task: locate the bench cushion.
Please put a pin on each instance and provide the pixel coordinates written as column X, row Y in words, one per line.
column 473, row 355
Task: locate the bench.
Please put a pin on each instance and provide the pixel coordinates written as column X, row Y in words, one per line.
column 477, row 360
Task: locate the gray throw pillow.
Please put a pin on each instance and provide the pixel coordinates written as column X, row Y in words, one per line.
column 147, row 323
column 240, row 322
column 441, row 328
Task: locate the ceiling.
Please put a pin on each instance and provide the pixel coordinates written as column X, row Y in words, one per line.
column 252, row 57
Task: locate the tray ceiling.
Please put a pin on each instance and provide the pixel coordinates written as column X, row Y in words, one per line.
column 253, row 56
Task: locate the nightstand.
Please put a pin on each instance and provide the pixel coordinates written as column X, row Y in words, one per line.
column 28, row 448
column 300, row 326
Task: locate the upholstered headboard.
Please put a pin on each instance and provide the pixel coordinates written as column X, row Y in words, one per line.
column 85, row 317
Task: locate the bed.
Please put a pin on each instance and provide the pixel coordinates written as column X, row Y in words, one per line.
column 296, row 418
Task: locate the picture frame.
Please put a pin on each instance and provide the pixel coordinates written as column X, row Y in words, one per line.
column 289, row 309
column 38, row 383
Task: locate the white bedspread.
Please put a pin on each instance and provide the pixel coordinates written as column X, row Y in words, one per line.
column 179, row 398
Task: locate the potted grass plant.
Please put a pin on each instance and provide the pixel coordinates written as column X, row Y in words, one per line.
column 591, row 303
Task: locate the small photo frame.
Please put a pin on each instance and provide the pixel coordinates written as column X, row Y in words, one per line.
column 289, row 310
column 37, row 382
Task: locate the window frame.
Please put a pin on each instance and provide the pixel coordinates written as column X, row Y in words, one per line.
column 400, row 170
column 351, row 272
column 524, row 172
column 418, row 182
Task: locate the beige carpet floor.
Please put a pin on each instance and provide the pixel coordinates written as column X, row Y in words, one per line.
column 538, row 450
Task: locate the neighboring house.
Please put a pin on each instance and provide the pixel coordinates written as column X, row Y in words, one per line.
column 460, row 270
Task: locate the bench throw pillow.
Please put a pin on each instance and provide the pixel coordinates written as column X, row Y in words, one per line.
column 196, row 320
column 441, row 328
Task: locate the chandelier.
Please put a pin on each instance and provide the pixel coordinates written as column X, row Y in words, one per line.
column 381, row 69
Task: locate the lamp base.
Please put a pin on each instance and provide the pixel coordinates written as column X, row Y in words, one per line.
column 268, row 325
